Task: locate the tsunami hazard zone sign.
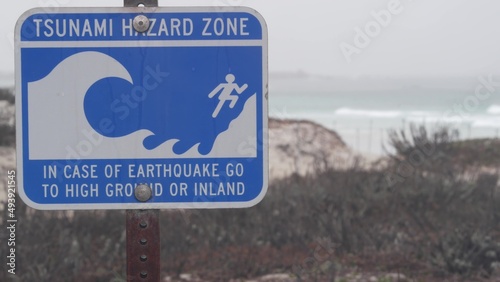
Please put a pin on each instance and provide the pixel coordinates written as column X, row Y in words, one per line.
column 180, row 106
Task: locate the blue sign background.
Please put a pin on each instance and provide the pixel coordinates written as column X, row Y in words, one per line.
column 179, row 107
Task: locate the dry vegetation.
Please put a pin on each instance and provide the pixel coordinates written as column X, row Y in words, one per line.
column 7, row 130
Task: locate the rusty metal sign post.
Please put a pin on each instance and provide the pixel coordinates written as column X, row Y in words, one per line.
column 139, row 3
column 143, row 245
column 143, row 226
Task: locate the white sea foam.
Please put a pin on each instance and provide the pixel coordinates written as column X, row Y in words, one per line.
column 393, row 118
column 422, row 113
column 486, row 121
column 493, row 109
column 442, row 119
column 368, row 113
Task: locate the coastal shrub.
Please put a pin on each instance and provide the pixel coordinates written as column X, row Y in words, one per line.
column 7, row 130
column 450, row 200
column 67, row 246
column 7, row 135
column 7, row 95
column 465, row 251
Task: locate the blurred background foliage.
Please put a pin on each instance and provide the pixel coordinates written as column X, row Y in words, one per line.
column 430, row 211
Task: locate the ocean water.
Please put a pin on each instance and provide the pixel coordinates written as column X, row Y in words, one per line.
column 363, row 111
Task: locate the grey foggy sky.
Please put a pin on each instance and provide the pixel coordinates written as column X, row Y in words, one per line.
column 426, row 38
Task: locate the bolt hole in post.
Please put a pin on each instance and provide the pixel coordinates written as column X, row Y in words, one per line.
column 143, row 244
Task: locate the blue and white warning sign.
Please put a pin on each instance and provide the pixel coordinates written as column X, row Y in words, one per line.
column 180, row 107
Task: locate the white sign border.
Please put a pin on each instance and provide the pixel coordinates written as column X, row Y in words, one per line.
column 139, row 205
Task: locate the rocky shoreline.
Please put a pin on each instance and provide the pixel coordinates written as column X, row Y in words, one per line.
column 304, row 147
